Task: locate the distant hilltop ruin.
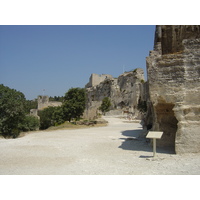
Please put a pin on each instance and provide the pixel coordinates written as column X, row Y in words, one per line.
column 124, row 92
column 95, row 79
column 43, row 102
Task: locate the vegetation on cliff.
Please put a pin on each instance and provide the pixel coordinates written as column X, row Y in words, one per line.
column 105, row 106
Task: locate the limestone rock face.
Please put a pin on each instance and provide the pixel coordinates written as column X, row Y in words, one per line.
column 123, row 92
column 171, row 36
column 174, row 87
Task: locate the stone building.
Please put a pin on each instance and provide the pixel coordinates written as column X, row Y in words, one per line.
column 173, row 70
column 96, row 79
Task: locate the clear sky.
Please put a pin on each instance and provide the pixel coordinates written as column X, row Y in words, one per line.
column 56, row 58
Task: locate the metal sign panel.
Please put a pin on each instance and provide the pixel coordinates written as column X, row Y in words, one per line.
column 154, row 134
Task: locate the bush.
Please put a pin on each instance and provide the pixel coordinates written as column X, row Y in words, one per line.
column 46, row 118
column 30, row 104
column 105, row 106
column 30, row 123
column 58, row 116
column 51, row 116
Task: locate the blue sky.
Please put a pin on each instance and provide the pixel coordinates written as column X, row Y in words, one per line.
column 56, row 58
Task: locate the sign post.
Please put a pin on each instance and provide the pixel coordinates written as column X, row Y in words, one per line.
column 154, row 135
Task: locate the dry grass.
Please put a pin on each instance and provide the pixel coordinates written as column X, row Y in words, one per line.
column 68, row 125
column 64, row 126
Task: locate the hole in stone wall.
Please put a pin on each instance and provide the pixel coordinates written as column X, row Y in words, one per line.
column 122, row 104
column 167, row 123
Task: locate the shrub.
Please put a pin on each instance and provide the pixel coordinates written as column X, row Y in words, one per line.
column 58, row 116
column 105, row 106
column 30, row 123
column 51, row 116
column 30, row 104
column 46, row 118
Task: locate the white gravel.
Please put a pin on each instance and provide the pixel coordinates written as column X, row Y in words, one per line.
column 111, row 150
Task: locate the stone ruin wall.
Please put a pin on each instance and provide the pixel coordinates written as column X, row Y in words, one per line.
column 43, row 102
column 173, row 70
column 96, row 79
column 123, row 92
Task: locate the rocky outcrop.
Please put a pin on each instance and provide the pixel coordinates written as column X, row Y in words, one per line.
column 174, row 87
column 124, row 93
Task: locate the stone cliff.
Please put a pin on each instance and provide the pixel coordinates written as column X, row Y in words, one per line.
column 173, row 70
column 124, row 93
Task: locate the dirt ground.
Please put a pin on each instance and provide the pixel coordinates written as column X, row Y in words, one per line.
column 115, row 149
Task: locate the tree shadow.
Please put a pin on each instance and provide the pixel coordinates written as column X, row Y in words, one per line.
column 136, row 140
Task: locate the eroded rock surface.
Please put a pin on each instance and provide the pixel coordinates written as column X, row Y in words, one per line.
column 124, row 93
column 173, row 69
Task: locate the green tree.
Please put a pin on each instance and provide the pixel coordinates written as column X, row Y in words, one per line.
column 58, row 116
column 12, row 111
column 74, row 103
column 46, row 118
column 105, row 105
column 56, row 98
column 30, row 104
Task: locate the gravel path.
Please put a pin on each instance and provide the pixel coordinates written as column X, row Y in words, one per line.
column 112, row 150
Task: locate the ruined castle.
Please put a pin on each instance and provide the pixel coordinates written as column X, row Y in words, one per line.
column 43, row 102
column 124, row 92
column 96, row 79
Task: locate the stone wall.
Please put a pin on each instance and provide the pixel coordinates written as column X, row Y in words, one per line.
column 96, row 79
column 173, row 71
column 123, row 92
column 43, row 102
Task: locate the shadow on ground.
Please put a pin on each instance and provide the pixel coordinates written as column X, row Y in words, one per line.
column 136, row 142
